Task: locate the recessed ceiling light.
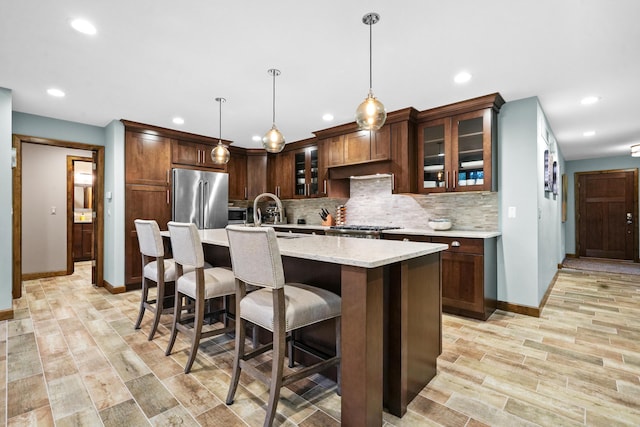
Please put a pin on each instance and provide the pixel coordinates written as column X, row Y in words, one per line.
column 327, row 117
column 178, row 120
column 589, row 100
column 256, row 138
column 83, row 26
column 462, row 77
column 55, row 92
column 589, row 133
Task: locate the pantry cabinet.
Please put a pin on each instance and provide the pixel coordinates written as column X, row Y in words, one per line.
column 457, row 146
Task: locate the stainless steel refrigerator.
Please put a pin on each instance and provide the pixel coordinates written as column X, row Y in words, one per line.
column 200, row 197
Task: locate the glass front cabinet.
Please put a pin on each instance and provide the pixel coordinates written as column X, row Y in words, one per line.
column 456, row 152
column 306, row 173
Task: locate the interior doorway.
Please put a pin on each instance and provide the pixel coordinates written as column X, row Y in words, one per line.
column 98, row 191
column 607, row 214
column 80, row 211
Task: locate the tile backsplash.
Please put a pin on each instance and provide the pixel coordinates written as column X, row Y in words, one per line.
column 372, row 203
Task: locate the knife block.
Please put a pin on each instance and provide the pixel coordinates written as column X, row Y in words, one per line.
column 329, row 221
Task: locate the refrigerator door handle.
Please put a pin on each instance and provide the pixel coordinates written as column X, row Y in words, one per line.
column 205, row 203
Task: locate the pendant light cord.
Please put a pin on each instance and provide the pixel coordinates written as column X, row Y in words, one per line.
column 370, row 57
column 274, row 97
column 220, row 118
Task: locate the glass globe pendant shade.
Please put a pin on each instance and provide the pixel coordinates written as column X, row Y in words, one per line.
column 220, row 154
column 371, row 115
column 273, row 141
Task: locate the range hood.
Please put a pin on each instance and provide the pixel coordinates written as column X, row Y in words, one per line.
column 360, row 169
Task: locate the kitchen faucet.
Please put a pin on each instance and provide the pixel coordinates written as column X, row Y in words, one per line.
column 257, row 216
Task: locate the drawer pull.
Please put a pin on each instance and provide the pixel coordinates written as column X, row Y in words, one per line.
column 455, row 244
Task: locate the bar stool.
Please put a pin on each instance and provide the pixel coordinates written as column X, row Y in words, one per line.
column 277, row 306
column 199, row 286
column 155, row 269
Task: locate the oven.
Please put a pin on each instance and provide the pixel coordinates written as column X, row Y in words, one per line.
column 358, row 231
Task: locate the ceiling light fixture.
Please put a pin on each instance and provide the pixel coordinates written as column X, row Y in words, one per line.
column 273, row 141
column 589, row 133
column 327, row 117
column 589, row 100
column 462, row 77
column 83, row 26
column 178, row 120
column 370, row 115
column 220, row 154
column 56, row 92
column 635, row 150
column 256, row 138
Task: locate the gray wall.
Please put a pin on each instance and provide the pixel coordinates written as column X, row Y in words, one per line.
column 531, row 245
column 6, row 254
column 114, row 206
column 44, row 187
column 602, row 164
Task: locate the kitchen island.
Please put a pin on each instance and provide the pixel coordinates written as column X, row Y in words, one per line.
column 391, row 312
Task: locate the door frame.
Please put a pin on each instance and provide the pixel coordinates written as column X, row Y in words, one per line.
column 576, row 180
column 98, row 151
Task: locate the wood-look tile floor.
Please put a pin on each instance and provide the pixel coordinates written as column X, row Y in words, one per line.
column 71, row 357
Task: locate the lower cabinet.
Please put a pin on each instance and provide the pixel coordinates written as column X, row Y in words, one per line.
column 82, row 241
column 469, row 276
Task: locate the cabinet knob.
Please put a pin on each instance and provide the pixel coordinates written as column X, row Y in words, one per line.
column 455, row 244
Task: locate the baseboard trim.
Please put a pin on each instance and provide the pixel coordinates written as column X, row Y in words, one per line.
column 525, row 309
column 6, row 314
column 113, row 289
column 34, row 276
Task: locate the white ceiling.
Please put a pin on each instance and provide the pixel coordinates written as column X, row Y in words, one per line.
column 152, row 60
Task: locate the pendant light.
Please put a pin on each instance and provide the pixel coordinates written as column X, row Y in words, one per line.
column 273, row 141
column 220, row 154
column 371, row 114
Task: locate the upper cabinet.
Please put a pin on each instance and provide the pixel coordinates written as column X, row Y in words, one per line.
column 193, row 154
column 457, row 146
column 306, row 172
column 280, row 174
column 359, row 147
column 237, row 170
column 148, row 158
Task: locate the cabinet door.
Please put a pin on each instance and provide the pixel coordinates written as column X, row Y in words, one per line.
column 147, row 159
column 256, row 175
column 145, row 202
column 237, row 170
column 471, row 151
column 381, row 144
column 281, row 178
column 357, row 147
column 462, row 281
column 306, row 173
column 77, row 241
column 434, row 152
column 334, row 150
column 87, row 241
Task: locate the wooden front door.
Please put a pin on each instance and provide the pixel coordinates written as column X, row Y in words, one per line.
column 607, row 214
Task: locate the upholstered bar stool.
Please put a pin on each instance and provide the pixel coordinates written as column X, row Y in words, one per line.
column 155, row 269
column 277, row 306
column 199, row 286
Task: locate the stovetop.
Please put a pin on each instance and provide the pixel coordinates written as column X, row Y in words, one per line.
column 363, row 227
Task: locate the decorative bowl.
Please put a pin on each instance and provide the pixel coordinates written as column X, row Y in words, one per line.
column 439, row 224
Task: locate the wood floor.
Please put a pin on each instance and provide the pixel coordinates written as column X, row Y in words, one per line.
column 72, row 358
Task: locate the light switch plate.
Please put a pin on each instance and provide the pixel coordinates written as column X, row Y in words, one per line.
column 511, row 212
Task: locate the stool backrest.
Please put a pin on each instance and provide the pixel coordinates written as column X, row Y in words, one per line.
column 255, row 256
column 149, row 238
column 185, row 244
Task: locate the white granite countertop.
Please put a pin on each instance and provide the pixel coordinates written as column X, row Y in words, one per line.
column 368, row 253
column 412, row 231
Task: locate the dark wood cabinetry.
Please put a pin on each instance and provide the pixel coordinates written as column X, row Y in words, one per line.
column 82, row 241
column 346, row 151
column 306, row 172
column 237, row 170
column 256, row 173
column 469, row 281
column 280, row 179
column 457, row 146
column 196, row 154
